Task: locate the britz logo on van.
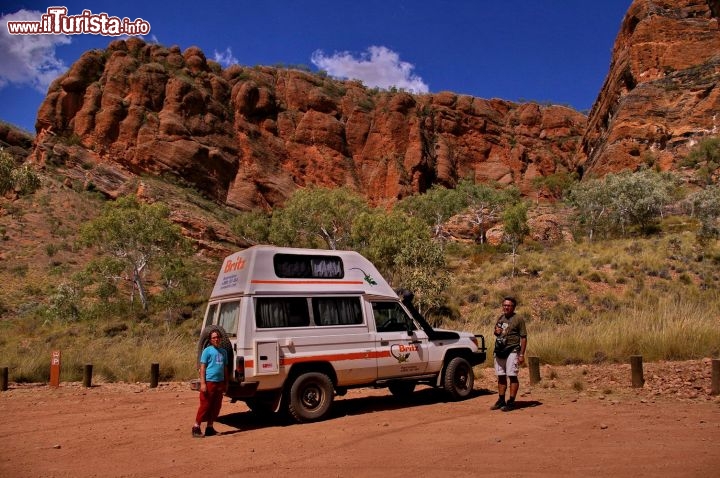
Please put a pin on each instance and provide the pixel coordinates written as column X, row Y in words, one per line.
column 234, row 265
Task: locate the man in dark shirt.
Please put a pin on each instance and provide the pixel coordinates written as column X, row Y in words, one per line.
column 510, row 332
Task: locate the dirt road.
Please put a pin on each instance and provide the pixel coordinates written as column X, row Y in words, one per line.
column 597, row 427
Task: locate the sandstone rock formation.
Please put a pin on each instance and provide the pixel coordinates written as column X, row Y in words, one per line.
column 250, row 136
column 15, row 141
column 662, row 93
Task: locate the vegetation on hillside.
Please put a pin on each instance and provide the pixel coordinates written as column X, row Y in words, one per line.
column 641, row 276
column 20, row 179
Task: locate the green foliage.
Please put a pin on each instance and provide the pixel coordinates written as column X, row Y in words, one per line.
column 64, row 303
column 619, row 202
column 132, row 236
column 317, row 217
column 22, row 179
column 434, row 207
column 382, row 237
column 705, row 156
column 7, row 165
column 253, row 226
column 485, row 203
column 421, row 269
column 179, row 280
column 706, row 207
column 557, row 185
column 515, row 227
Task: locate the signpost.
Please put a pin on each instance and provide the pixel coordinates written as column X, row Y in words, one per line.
column 55, row 369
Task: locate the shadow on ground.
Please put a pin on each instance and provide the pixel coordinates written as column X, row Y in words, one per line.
column 349, row 406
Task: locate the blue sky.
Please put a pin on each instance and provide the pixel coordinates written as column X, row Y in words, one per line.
column 542, row 50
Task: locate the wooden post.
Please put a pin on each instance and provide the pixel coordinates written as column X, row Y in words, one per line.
column 637, row 371
column 55, row 369
column 154, row 374
column 534, row 366
column 3, row 379
column 715, row 389
column 87, row 376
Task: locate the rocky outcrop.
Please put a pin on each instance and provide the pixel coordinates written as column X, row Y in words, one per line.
column 250, row 136
column 15, row 141
column 662, row 93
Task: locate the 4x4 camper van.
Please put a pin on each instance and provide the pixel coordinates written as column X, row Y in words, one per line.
column 303, row 325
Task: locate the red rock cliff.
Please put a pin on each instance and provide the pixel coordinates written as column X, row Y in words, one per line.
column 662, row 92
column 250, row 136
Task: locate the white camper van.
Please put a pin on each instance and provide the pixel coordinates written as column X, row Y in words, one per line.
column 303, row 325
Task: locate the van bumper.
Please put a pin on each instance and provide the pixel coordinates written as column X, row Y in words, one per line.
column 235, row 389
column 242, row 389
column 480, row 356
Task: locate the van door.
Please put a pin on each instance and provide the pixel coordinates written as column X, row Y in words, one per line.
column 401, row 347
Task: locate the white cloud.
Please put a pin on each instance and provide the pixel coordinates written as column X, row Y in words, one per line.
column 225, row 58
column 379, row 66
column 29, row 59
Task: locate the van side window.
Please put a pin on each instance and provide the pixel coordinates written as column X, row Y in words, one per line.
column 391, row 317
column 337, row 310
column 227, row 319
column 297, row 266
column 278, row 312
column 210, row 314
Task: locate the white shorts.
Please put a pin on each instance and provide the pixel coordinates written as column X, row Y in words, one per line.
column 507, row 366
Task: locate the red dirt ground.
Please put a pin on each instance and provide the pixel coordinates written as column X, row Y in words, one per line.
column 578, row 421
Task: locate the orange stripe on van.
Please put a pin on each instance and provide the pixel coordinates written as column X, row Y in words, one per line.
column 299, row 282
column 327, row 358
column 335, row 357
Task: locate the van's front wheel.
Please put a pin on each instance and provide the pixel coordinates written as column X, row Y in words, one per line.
column 311, row 395
column 459, row 378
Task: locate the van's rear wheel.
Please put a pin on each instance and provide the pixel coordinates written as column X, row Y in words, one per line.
column 310, row 397
column 459, row 378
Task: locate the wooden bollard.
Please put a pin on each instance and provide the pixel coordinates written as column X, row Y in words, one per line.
column 715, row 388
column 636, row 367
column 3, row 379
column 154, row 374
column 534, row 366
column 87, row 376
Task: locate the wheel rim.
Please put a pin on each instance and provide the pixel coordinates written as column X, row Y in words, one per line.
column 462, row 377
column 312, row 397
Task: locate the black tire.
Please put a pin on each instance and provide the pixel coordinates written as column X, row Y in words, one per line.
column 459, row 378
column 204, row 341
column 402, row 389
column 310, row 397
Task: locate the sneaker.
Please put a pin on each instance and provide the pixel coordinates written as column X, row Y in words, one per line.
column 197, row 433
column 498, row 405
column 509, row 407
column 210, row 431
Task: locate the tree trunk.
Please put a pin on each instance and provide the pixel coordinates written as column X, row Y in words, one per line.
column 137, row 280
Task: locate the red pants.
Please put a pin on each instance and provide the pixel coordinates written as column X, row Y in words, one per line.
column 210, row 402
